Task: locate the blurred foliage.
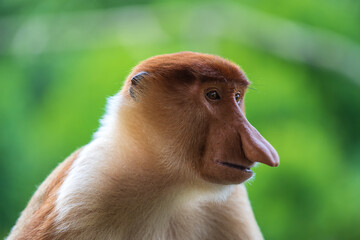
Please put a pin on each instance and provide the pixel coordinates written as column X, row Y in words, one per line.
column 59, row 60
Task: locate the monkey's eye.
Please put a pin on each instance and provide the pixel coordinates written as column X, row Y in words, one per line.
column 237, row 97
column 212, row 95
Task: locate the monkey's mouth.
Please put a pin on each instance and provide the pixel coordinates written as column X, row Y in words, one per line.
column 236, row 166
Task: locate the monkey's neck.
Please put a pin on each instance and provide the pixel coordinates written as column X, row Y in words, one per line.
column 118, row 189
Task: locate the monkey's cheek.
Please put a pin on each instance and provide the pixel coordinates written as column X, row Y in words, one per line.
column 220, row 174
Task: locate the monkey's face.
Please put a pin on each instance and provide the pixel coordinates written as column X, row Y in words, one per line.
column 194, row 104
column 232, row 144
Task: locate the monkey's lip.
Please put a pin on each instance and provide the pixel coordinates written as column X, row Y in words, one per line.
column 236, row 166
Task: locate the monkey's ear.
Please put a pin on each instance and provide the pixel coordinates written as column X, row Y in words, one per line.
column 136, row 84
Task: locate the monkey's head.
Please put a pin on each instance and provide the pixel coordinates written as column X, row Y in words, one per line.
column 191, row 109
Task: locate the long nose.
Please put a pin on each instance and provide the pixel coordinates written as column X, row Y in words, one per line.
column 255, row 146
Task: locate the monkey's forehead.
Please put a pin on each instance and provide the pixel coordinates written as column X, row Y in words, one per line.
column 182, row 65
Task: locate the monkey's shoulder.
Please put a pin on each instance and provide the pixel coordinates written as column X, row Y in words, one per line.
column 37, row 219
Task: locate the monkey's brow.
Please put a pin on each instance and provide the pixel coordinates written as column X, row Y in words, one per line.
column 244, row 83
column 212, row 80
column 238, row 84
column 222, row 79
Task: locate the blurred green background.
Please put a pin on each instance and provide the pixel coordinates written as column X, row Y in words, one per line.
column 59, row 60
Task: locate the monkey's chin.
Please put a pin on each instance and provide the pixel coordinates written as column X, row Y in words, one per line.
column 223, row 172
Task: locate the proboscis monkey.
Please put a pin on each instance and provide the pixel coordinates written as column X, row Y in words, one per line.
column 168, row 162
